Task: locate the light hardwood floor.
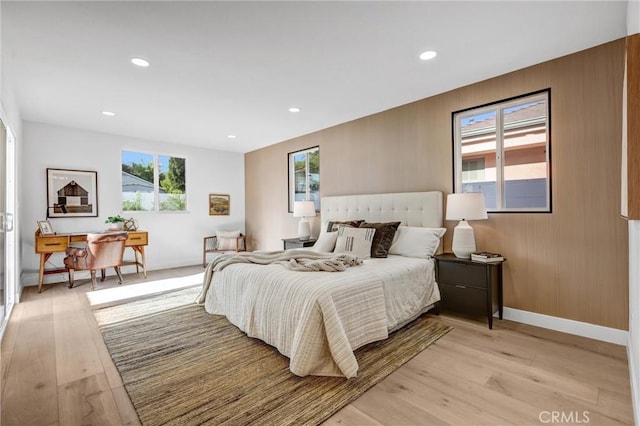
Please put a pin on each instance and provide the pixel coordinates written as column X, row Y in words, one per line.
column 56, row 371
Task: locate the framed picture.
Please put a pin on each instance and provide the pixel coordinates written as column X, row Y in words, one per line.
column 72, row 193
column 45, row 227
column 219, row 204
column 304, row 176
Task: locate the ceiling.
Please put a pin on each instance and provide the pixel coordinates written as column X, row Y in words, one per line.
column 235, row 68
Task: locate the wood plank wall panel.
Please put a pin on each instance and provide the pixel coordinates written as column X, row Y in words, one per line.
column 571, row 263
column 633, row 127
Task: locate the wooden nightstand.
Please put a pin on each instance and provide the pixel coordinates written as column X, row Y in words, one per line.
column 291, row 243
column 469, row 287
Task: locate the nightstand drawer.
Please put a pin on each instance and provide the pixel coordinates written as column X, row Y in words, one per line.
column 462, row 273
column 461, row 298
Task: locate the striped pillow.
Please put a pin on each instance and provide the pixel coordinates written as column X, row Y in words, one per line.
column 355, row 241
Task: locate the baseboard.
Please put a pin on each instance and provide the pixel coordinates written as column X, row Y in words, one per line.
column 592, row 331
column 633, row 377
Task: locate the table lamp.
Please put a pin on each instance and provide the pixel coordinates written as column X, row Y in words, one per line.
column 463, row 207
column 303, row 210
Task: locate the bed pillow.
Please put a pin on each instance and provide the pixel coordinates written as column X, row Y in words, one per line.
column 355, row 241
column 227, row 239
column 412, row 241
column 333, row 225
column 383, row 237
column 326, row 242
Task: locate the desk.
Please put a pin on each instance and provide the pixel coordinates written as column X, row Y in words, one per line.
column 46, row 245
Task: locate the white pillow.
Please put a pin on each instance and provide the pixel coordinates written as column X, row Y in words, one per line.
column 227, row 240
column 326, row 242
column 413, row 241
column 355, row 241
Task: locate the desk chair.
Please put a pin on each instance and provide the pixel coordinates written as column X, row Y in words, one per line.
column 101, row 251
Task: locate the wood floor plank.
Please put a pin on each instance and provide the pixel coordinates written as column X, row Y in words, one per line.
column 109, row 368
column 615, row 404
column 88, row 401
column 546, row 399
column 439, row 379
column 76, row 354
column 30, row 394
column 8, row 342
column 388, row 409
column 455, row 411
column 125, row 407
column 350, row 415
column 564, row 383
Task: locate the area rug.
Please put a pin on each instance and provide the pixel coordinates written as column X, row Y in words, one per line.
column 183, row 366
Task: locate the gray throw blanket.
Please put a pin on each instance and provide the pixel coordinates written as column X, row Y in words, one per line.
column 294, row 260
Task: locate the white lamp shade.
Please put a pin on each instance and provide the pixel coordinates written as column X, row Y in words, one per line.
column 466, row 206
column 304, row 209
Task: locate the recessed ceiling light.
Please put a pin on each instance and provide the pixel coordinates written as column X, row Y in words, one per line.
column 231, row 136
column 294, row 109
column 140, row 62
column 429, row 54
column 109, row 113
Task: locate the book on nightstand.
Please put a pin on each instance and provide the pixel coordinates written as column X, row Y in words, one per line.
column 486, row 257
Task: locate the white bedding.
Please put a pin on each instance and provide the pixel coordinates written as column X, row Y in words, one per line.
column 318, row 319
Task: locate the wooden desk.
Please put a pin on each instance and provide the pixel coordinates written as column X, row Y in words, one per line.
column 46, row 245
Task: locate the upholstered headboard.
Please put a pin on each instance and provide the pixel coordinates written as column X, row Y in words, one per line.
column 410, row 208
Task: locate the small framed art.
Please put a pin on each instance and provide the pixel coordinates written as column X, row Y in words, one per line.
column 45, row 227
column 219, row 204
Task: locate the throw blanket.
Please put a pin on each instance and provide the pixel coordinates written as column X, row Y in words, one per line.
column 294, row 260
column 316, row 319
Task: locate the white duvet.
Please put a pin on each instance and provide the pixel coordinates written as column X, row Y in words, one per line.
column 318, row 319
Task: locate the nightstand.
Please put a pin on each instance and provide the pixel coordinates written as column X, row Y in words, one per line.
column 291, row 243
column 469, row 287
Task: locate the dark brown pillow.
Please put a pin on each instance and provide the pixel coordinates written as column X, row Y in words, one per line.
column 383, row 237
column 333, row 225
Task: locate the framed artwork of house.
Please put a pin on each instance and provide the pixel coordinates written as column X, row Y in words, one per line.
column 72, row 193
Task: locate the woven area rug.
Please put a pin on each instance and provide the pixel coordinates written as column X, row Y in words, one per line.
column 183, row 366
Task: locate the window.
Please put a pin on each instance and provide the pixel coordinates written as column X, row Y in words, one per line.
column 153, row 182
column 503, row 150
column 304, row 176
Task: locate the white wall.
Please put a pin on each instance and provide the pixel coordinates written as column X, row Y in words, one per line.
column 175, row 239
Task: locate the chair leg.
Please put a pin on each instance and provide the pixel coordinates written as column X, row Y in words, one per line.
column 70, row 278
column 102, row 275
column 94, row 284
column 117, row 268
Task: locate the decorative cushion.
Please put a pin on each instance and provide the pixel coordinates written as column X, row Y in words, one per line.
column 326, row 242
column 333, row 225
column 412, row 241
column 227, row 240
column 383, row 237
column 355, row 241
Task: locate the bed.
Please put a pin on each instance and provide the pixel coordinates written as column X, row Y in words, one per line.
column 318, row 319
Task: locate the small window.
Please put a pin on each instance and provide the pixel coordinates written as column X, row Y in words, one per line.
column 503, row 150
column 153, row 182
column 304, row 176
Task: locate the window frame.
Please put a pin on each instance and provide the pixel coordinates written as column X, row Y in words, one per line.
column 498, row 107
column 291, row 176
column 156, row 182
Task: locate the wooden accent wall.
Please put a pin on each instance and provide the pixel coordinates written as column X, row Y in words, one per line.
column 633, row 127
column 571, row 263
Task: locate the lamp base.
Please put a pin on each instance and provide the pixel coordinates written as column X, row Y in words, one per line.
column 464, row 240
column 304, row 229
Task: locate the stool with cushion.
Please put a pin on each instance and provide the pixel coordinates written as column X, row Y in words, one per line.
column 102, row 251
